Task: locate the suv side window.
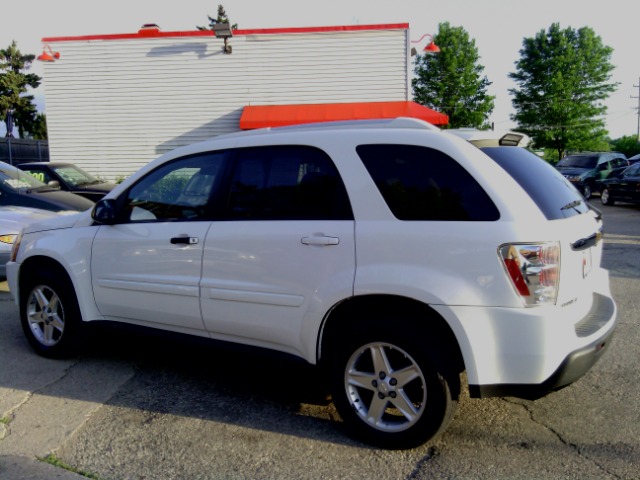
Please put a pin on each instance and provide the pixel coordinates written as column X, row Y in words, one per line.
column 180, row 190
column 421, row 183
column 291, row 182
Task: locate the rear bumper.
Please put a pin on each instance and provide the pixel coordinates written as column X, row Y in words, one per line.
column 575, row 364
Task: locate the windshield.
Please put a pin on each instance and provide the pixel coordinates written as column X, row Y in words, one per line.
column 15, row 179
column 579, row 161
column 554, row 195
column 75, row 176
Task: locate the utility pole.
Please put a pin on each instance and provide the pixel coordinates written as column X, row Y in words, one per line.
column 638, row 107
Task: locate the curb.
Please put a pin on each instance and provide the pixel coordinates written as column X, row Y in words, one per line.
column 14, row 467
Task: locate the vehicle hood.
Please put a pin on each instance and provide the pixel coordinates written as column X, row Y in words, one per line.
column 572, row 170
column 63, row 200
column 103, row 187
column 56, row 222
column 13, row 218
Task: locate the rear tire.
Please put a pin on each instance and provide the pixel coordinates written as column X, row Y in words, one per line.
column 605, row 197
column 50, row 315
column 390, row 390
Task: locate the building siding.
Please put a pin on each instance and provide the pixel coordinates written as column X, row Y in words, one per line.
column 113, row 105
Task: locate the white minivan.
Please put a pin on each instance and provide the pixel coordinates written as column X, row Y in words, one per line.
column 389, row 253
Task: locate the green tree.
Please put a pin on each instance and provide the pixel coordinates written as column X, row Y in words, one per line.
column 451, row 81
column 627, row 144
column 39, row 130
column 13, row 89
column 221, row 18
column 563, row 80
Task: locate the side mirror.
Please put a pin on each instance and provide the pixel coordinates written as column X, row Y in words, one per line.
column 53, row 183
column 104, row 211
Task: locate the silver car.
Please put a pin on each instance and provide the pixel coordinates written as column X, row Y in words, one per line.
column 12, row 219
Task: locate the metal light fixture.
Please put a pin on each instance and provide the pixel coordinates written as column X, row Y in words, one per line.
column 49, row 56
column 431, row 47
column 223, row 30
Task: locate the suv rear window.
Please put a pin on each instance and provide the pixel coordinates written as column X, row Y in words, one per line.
column 421, row 183
column 553, row 194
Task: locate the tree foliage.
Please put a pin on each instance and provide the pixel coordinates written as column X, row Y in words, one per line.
column 39, row 130
column 563, row 80
column 14, row 84
column 451, row 81
column 221, row 18
column 628, row 144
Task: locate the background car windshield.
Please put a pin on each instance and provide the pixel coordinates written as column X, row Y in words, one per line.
column 579, row 161
column 75, row 176
column 15, row 179
column 554, row 194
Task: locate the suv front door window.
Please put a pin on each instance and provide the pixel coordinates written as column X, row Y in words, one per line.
column 146, row 268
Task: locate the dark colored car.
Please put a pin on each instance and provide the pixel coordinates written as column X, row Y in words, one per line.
column 21, row 189
column 624, row 188
column 587, row 170
column 69, row 177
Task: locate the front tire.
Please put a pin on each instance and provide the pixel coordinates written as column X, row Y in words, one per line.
column 586, row 191
column 390, row 393
column 605, row 197
column 50, row 315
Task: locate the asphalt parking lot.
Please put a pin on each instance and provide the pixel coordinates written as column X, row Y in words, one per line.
column 135, row 407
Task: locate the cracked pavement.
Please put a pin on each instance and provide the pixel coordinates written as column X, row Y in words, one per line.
column 135, row 407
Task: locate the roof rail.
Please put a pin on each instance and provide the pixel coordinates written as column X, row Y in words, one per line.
column 399, row 122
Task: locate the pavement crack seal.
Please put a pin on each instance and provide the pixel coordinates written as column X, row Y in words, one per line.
column 432, row 452
column 10, row 414
column 559, row 436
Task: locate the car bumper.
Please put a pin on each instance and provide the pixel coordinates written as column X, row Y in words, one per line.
column 12, row 279
column 4, row 258
column 572, row 368
column 530, row 352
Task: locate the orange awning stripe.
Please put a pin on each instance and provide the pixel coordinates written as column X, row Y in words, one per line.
column 282, row 115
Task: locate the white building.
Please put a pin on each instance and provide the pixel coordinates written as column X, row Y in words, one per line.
column 115, row 102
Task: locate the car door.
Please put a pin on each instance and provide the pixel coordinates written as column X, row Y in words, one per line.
column 629, row 186
column 146, row 268
column 284, row 255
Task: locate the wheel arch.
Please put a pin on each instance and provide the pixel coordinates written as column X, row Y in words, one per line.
column 31, row 266
column 419, row 318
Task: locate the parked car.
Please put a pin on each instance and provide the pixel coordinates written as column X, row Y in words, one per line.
column 68, row 177
column 587, row 170
column 624, row 188
column 12, row 220
column 634, row 159
column 390, row 253
column 21, row 189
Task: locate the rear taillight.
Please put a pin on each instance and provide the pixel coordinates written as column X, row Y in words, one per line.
column 534, row 270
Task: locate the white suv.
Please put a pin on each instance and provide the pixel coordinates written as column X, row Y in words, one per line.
column 391, row 253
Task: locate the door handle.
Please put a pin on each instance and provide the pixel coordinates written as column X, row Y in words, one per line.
column 184, row 239
column 320, row 240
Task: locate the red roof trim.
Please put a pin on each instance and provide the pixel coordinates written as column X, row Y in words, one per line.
column 208, row 33
column 282, row 115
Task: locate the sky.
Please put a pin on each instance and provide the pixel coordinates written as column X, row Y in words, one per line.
column 497, row 26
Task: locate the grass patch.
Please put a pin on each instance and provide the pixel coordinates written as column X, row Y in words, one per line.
column 5, row 420
column 51, row 459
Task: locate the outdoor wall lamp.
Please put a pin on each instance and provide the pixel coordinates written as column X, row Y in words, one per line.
column 49, row 56
column 223, row 30
column 429, row 49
